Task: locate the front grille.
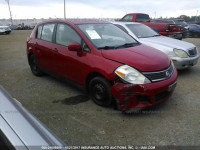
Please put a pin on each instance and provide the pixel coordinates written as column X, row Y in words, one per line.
column 159, row 75
column 162, row 95
column 192, row 52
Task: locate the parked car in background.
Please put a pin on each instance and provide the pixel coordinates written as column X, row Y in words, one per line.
column 183, row 54
column 5, row 30
column 104, row 59
column 181, row 22
column 20, row 130
column 194, row 30
column 165, row 29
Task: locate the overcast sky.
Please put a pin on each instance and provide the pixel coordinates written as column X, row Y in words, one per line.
column 26, row 9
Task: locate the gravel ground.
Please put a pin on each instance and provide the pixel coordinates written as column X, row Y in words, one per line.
column 72, row 116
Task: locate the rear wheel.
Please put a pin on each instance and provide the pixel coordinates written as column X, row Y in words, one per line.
column 99, row 91
column 34, row 66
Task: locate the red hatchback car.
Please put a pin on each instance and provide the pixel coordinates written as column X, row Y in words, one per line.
column 104, row 59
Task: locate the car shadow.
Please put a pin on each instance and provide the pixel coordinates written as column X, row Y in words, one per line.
column 185, row 71
column 154, row 110
column 65, row 82
column 74, row 100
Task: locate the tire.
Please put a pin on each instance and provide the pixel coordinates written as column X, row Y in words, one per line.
column 99, row 91
column 34, row 66
column 7, row 32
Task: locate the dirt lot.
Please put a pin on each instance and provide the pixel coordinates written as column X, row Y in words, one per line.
column 73, row 117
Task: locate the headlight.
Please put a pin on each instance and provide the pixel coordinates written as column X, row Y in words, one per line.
column 131, row 75
column 180, row 53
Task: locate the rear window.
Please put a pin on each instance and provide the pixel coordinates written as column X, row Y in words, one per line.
column 47, row 32
column 142, row 18
column 5, row 143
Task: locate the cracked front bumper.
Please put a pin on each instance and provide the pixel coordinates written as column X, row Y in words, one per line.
column 130, row 96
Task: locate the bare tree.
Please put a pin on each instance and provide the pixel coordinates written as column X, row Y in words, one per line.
column 8, row 1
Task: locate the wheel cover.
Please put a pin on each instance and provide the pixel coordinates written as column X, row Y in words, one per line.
column 99, row 92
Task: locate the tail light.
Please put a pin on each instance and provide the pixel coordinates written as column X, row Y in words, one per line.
column 173, row 28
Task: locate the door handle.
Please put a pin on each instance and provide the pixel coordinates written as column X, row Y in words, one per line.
column 55, row 49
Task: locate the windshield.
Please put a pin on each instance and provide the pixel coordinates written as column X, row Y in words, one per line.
column 168, row 21
column 181, row 22
column 142, row 31
column 107, row 36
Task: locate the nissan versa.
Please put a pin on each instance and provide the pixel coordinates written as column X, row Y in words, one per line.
column 104, row 59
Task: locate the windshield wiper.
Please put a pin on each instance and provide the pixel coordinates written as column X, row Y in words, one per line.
column 149, row 36
column 106, row 47
column 156, row 35
column 127, row 45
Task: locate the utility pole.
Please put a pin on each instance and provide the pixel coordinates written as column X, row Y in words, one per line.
column 196, row 16
column 64, row 11
column 10, row 11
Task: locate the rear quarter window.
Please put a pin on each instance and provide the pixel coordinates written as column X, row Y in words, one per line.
column 142, row 18
column 39, row 32
column 47, row 32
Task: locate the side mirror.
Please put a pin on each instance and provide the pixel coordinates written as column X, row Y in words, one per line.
column 75, row 47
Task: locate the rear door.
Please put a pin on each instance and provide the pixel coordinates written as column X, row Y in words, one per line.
column 45, row 47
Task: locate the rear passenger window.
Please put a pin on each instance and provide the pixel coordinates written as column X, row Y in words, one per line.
column 39, row 31
column 47, row 32
column 65, row 35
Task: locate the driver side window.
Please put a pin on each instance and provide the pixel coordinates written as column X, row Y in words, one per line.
column 128, row 18
column 65, row 35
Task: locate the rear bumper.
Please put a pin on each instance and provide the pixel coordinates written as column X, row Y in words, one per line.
column 176, row 35
column 183, row 63
column 130, row 96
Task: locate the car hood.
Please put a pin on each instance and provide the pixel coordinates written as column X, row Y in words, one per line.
column 166, row 42
column 142, row 57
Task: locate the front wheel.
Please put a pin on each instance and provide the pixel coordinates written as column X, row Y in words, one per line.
column 34, row 66
column 99, row 91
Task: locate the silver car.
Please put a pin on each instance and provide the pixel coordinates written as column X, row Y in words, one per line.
column 20, row 130
column 183, row 54
column 5, row 30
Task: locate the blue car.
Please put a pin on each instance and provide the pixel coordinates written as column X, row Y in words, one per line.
column 194, row 30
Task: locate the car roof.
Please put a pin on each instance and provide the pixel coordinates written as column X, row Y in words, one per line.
column 76, row 21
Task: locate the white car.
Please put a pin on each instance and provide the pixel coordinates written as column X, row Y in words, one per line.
column 5, row 30
column 183, row 54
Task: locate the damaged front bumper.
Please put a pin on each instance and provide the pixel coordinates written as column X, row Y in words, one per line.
column 140, row 96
